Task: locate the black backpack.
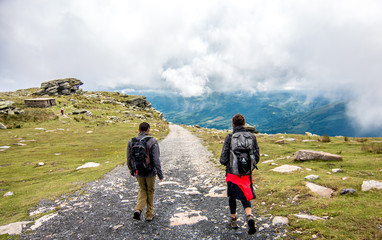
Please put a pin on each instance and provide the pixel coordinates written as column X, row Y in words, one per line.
column 141, row 160
column 242, row 154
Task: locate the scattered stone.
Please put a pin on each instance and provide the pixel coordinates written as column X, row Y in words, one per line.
column 278, row 220
column 117, row 227
column 40, row 164
column 13, row 228
column 349, row 190
column 41, row 129
column 268, row 161
column 308, row 134
column 279, row 141
column 41, row 220
column 290, row 139
column 168, row 182
column 217, row 192
column 372, row 184
column 307, row 140
column 320, row 190
column 250, row 128
column 304, row 155
column 2, row 126
column 336, row 170
column 41, row 210
column 309, row 217
column 308, row 169
column 312, row 177
column 82, row 111
column 344, row 178
column 8, row 194
column 89, row 165
column 57, row 154
column 5, row 147
column 187, row 218
column 89, row 132
column 19, row 144
column 192, row 191
column 286, row 168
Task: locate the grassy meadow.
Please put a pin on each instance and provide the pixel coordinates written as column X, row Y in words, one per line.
column 63, row 143
column 348, row 216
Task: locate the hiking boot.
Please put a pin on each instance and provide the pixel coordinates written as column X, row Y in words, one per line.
column 137, row 215
column 233, row 223
column 150, row 218
column 251, row 224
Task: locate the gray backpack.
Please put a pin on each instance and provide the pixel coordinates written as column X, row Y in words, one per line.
column 242, row 155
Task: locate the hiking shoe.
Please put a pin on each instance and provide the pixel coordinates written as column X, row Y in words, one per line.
column 251, row 225
column 137, row 215
column 149, row 219
column 233, row 223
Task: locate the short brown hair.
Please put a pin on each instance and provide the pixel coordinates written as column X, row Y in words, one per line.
column 143, row 127
column 238, row 120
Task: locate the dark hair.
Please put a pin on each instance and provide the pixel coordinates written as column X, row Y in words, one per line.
column 238, row 120
column 143, row 127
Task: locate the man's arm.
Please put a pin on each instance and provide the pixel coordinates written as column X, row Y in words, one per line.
column 129, row 158
column 224, row 156
column 256, row 148
column 156, row 159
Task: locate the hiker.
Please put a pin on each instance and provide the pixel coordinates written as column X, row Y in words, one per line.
column 240, row 154
column 144, row 163
column 62, row 111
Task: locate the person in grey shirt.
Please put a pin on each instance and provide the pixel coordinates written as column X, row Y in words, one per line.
column 146, row 181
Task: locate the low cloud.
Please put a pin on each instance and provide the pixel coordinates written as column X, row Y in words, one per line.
column 196, row 47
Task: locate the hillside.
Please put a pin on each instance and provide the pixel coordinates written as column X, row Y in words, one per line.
column 42, row 149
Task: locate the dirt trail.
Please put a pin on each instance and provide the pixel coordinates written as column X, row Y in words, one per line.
column 189, row 203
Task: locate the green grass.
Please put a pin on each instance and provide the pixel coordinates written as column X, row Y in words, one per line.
column 64, row 145
column 351, row 216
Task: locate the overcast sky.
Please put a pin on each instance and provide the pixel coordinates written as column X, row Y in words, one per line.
column 195, row 47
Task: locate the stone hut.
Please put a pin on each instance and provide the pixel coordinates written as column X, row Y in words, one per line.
column 40, row 102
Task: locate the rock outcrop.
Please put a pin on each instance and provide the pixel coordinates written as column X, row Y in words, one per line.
column 138, row 101
column 305, row 155
column 66, row 86
column 7, row 107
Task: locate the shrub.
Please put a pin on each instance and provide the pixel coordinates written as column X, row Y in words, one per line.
column 346, row 139
column 372, row 147
column 361, row 140
column 325, row 139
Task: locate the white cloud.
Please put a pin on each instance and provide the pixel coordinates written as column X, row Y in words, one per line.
column 194, row 47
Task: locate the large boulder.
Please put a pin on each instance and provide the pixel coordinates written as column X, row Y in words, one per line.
column 305, row 155
column 66, row 86
column 138, row 101
column 320, row 190
column 372, row 184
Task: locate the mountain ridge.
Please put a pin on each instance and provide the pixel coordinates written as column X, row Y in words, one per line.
column 271, row 112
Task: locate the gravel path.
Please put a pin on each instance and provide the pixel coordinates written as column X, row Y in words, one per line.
column 189, row 203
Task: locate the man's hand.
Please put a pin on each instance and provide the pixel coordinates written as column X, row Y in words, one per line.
column 160, row 179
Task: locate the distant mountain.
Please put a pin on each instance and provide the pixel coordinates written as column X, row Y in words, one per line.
column 270, row 112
